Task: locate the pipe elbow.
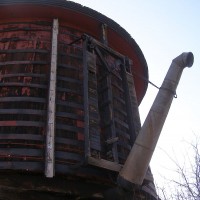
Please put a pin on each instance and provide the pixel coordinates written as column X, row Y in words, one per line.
column 186, row 59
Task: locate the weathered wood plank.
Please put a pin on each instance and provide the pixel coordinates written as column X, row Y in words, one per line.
column 104, row 164
column 50, row 138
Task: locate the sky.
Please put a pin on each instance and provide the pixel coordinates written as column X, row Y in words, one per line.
column 164, row 29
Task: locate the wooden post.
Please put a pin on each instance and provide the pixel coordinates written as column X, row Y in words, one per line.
column 86, row 102
column 131, row 101
column 50, row 134
column 104, row 34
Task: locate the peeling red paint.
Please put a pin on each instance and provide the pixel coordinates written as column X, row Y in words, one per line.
column 81, row 136
column 8, row 123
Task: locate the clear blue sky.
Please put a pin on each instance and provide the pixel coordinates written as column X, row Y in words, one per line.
column 163, row 30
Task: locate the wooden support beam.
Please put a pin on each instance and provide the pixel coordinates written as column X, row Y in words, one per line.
column 104, row 34
column 50, row 135
column 113, row 166
column 134, row 103
column 127, row 84
column 86, row 102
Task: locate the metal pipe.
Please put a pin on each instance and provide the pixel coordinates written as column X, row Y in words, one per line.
column 135, row 167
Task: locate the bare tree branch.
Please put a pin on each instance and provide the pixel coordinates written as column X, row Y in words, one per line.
column 187, row 186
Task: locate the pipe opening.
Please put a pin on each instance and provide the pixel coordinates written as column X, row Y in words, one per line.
column 189, row 59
